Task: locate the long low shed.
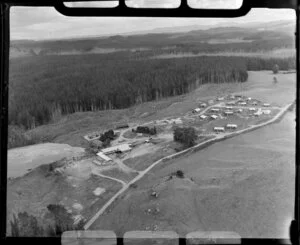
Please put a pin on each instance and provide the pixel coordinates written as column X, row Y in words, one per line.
column 113, row 149
column 219, row 129
column 104, row 157
column 231, row 126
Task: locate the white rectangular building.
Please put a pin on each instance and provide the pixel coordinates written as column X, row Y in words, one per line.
column 203, row 117
column 228, row 113
column 242, row 103
column 220, row 98
column 215, row 110
column 196, row 110
column 116, row 148
column 252, row 109
column 219, row 129
column 104, row 157
column 231, row 126
column 214, row 117
column 266, row 104
column 230, row 103
column 266, row 112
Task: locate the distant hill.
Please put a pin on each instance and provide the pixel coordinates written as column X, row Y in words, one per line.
column 271, row 34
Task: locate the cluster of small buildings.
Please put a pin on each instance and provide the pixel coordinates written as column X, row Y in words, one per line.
column 103, row 154
column 222, row 129
column 230, row 110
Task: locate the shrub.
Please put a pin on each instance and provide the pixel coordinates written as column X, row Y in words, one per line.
column 180, row 174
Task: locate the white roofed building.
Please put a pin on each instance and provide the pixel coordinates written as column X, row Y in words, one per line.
column 103, row 157
column 219, row 129
column 196, row 110
column 231, row 126
column 266, row 104
column 214, row 117
column 203, row 117
column 215, row 110
column 266, row 112
column 113, row 149
column 228, row 113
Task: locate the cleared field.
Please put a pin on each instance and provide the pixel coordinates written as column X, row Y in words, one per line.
column 29, row 157
column 142, row 162
column 119, row 174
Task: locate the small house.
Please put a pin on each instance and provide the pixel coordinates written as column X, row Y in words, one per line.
column 230, row 103
column 252, row 109
column 229, row 107
column 214, row 117
column 215, row 110
column 255, row 103
column 203, row 105
column 203, row 117
column 242, row 103
column 210, row 102
column 228, row 113
column 232, row 97
column 266, row 104
column 120, row 126
column 266, row 112
column 258, row 113
column 196, row 110
column 239, row 110
column 219, row 129
column 103, row 157
column 220, row 98
column 249, row 98
column 231, row 126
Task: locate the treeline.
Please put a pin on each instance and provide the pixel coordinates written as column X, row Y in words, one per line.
column 43, row 89
column 58, row 221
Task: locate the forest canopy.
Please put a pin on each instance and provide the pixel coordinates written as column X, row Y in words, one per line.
column 44, row 88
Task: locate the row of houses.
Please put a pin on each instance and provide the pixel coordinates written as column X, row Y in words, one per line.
column 222, row 129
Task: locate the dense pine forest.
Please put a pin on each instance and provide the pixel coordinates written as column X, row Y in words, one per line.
column 41, row 89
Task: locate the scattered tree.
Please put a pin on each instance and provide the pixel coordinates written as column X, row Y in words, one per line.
column 25, row 225
column 180, row 174
column 185, row 135
column 275, row 69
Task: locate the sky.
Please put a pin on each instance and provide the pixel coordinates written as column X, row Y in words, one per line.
column 46, row 23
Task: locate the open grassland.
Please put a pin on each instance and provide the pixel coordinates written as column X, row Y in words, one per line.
column 244, row 184
column 119, row 174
